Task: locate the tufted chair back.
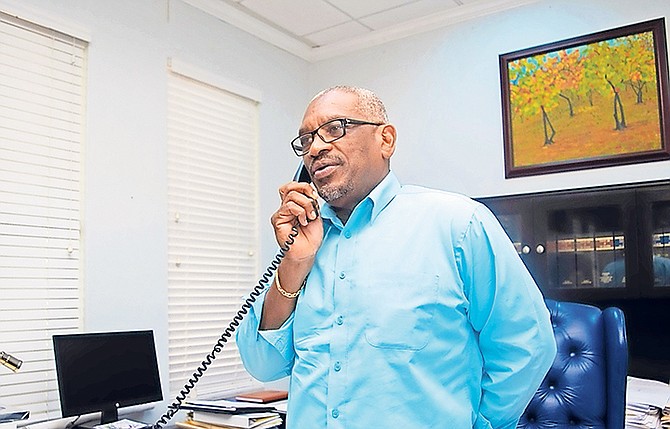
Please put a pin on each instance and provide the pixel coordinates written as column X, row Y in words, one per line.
column 586, row 385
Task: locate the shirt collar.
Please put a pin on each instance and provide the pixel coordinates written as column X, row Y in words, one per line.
column 378, row 198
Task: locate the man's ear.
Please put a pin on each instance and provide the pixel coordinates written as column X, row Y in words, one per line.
column 389, row 136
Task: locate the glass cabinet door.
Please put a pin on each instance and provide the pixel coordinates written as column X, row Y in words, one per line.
column 584, row 245
column 516, row 217
column 655, row 231
column 660, row 213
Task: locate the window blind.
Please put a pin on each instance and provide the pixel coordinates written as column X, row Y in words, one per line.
column 42, row 74
column 212, row 231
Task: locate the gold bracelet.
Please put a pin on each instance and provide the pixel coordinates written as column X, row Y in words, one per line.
column 285, row 294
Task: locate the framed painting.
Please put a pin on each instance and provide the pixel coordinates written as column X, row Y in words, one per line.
column 590, row 101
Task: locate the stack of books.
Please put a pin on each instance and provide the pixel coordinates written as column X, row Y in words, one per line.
column 242, row 412
column 647, row 404
column 234, row 421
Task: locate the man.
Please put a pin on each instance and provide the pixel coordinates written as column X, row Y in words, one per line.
column 396, row 306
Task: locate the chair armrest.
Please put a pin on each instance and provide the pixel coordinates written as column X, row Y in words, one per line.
column 616, row 344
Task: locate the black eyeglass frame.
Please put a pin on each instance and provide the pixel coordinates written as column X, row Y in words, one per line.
column 299, row 148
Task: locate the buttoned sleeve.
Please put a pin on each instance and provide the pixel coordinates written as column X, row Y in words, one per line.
column 508, row 312
column 267, row 355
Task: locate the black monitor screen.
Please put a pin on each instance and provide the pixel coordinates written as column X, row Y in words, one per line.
column 106, row 371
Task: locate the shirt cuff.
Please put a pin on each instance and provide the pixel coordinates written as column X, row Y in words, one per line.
column 281, row 338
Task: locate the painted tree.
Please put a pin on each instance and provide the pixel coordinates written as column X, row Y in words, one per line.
column 534, row 90
column 613, row 64
column 569, row 71
column 605, row 71
column 639, row 66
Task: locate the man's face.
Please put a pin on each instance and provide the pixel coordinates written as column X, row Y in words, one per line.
column 346, row 170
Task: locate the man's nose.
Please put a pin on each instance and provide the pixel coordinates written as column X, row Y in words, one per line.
column 318, row 145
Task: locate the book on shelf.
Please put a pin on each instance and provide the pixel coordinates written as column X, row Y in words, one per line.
column 262, row 396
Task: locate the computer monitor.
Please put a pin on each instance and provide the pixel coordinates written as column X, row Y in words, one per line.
column 106, row 371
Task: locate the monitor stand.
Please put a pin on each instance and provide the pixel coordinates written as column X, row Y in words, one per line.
column 107, row 415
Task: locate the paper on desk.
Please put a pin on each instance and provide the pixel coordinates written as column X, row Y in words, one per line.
column 280, row 406
column 122, row 424
column 651, row 392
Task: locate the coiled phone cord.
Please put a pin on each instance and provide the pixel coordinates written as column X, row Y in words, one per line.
column 228, row 332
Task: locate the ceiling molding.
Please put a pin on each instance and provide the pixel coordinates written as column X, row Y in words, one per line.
column 19, row 9
column 251, row 25
column 416, row 26
column 283, row 41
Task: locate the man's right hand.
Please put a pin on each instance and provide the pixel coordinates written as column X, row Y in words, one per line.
column 299, row 208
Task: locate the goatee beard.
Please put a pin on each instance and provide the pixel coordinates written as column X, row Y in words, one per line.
column 331, row 193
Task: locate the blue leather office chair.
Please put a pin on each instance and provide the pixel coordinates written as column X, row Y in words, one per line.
column 586, row 385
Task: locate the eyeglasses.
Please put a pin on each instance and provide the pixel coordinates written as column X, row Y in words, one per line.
column 329, row 132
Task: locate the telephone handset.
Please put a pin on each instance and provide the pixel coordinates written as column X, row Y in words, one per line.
column 301, row 175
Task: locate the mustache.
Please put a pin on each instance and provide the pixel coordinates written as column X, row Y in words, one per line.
column 324, row 158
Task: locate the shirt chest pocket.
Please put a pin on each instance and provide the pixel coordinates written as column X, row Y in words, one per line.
column 399, row 310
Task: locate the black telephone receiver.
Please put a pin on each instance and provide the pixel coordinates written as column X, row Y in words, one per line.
column 301, row 175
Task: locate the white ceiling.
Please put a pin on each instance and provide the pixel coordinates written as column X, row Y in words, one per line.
column 319, row 29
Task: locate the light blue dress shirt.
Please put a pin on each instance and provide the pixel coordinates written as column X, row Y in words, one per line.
column 418, row 313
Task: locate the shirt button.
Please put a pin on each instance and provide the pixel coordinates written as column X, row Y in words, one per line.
column 339, row 320
column 335, row 413
column 347, row 234
column 338, row 366
column 342, row 275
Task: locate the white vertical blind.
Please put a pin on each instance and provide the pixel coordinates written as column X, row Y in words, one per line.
column 212, row 231
column 41, row 120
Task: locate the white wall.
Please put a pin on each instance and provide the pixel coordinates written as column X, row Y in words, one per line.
column 442, row 90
